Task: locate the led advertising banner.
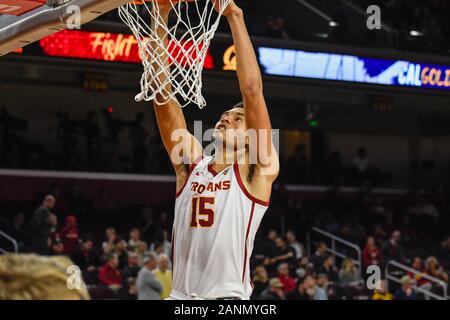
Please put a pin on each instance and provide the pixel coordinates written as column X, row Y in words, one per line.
column 338, row 67
column 116, row 47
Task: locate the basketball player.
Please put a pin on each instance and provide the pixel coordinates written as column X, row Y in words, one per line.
column 220, row 199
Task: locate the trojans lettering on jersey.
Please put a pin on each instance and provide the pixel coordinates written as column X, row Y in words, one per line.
column 215, row 223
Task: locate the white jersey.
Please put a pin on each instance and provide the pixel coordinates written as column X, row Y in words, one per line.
column 215, row 224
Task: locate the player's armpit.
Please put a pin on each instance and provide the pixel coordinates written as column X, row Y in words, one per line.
column 182, row 147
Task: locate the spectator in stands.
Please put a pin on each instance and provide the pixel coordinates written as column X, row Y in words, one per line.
column 288, row 282
column 323, row 281
column 269, row 245
column 43, row 224
column 157, row 248
column 109, row 274
column 361, row 164
column 121, row 252
column 304, row 267
column 312, row 290
column 405, row 292
column 149, row 288
column 392, row 249
column 57, row 248
column 135, row 239
column 260, row 282
column 381, row 293
column 299, row 249
column 142, row 252
column 283, row 252
column 17, row 230
column 128, row 290
column 131, row 270
column 349, row 274
column 86, row 259
column 164, row 275
column 329, row 268
column 298, row 293
column 69, row 234
column 371, row 254
column 163, row 246
column 108, row 244
column 318, row 257
column 434, row 269
column 379, row 235
column 274, row 291
column 417, row 265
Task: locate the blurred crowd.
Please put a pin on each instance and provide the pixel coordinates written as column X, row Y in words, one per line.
column 131, row 258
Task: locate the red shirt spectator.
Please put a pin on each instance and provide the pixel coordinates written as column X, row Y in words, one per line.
column 288, row 282
column 69, row 234
column 371, row 253
column 418, row 266
column 109, row 274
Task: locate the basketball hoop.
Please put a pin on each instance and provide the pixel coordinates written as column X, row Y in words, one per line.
column 188, row 38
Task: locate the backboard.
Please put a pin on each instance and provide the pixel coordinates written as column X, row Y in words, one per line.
column 25, row 21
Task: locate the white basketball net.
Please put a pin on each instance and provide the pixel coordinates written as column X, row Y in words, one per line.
column 189, row 41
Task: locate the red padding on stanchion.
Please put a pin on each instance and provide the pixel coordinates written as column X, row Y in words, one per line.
column 19, row 7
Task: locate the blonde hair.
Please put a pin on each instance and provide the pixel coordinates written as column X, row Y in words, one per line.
column 348, row 265
column 33, row 277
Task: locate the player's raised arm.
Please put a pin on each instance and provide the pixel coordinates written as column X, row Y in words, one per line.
column 251, row 86
column 179, row 143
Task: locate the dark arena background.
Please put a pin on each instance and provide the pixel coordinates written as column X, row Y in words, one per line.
column 363, row 112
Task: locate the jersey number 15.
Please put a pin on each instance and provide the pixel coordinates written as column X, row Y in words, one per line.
column 202, row 212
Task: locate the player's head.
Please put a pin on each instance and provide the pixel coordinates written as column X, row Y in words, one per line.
column 150, row 261
column 71, row 221
column 33, row 277
column 231, row 127
column 135, row 234
column 88, row 243
column 57, row 247
column 49, row 202
column 163, row 262
column 112, row 260
column 283, row 269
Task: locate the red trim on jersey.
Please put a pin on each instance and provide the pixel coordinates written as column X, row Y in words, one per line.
column 191, row 168
column 246, row 238
column 172, row 250
column 244, row 189
column 210, row 169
